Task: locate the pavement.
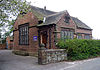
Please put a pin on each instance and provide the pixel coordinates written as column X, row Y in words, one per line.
column 9, row 61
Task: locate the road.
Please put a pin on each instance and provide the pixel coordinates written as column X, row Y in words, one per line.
column 91, row 64
column 9, row 61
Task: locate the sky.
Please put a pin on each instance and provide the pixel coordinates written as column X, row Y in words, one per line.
column 88, row 11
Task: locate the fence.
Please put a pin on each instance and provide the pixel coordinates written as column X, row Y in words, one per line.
column 46, row 56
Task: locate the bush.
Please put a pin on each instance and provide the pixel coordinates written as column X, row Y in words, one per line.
column 78, row 49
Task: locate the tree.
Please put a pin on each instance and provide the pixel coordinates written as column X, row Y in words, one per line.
column 10, row 9
column 10, row 28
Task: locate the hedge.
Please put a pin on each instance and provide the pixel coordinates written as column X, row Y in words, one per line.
column 78, row 49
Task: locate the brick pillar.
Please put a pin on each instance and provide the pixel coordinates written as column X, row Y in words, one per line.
column 41, row 56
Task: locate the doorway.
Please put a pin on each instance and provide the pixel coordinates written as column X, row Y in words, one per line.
column 43, row 38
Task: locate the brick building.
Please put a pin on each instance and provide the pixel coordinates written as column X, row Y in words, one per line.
column 9, row 42
column 30, row 30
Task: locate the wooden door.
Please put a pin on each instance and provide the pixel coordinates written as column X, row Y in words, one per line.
column 43, row 37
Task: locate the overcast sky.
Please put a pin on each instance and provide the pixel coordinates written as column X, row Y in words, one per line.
column 87, row 11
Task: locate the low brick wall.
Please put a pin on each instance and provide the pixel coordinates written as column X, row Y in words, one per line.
column 10, row 46
column 2, row 46
column 46, row 56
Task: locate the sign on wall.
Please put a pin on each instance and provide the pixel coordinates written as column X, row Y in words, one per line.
column 35, row 38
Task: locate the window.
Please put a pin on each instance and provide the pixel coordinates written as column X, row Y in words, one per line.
column 67, row 18
column 67, row 34
column 23, row 34
column 87, row 37
column 62, row 34
column 79, row 36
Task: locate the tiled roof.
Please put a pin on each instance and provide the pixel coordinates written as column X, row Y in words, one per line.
column 79, row 23
column 54, row 17
column 39, row 12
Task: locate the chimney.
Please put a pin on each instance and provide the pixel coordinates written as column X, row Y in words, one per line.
column 45, row 9
column 44, row 18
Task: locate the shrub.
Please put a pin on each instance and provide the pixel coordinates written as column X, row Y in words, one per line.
column 78, row 49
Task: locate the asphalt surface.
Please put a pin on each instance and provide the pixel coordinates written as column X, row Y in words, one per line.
column 9, row 61
column 91, row 64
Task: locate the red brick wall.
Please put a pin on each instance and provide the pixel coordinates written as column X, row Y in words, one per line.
column 71, row 26
column 27, row 18
column 2, row 46
column 63, row 24
column 84, row 32
column 8, row 39
column 10, row 43
column 33, row 31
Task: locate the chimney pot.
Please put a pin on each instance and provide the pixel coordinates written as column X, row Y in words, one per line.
column 44, row 8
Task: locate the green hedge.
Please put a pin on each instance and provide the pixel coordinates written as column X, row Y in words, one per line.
column 78, row 49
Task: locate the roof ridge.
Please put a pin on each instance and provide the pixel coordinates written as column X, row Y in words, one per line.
column 57, row 13
column 42, row 8
column 79, row 23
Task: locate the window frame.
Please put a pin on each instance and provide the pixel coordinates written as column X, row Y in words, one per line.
column 24, row 34
column 79, row 35
column 67, row 34
column 85, row 36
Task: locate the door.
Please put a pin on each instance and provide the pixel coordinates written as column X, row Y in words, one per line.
column 43, row 37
